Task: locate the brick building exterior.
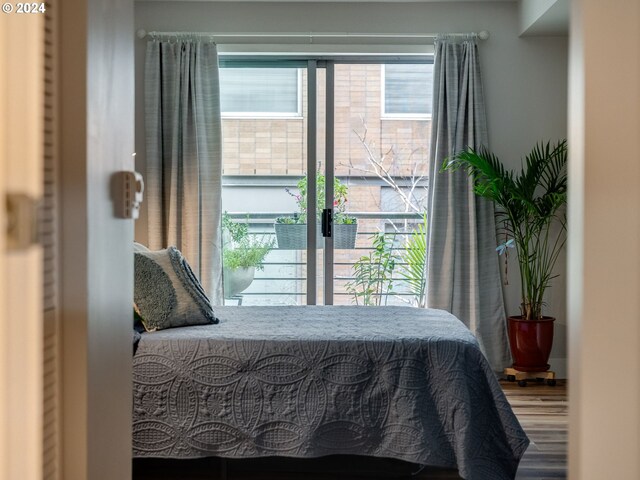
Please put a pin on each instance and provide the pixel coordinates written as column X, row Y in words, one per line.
column 278, row 146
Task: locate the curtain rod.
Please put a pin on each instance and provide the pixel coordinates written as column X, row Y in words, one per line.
column 482, row 35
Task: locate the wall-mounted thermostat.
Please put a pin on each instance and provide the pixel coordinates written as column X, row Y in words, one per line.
column 130, row 195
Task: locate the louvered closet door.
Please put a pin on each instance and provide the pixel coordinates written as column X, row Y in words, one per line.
column 49, row 238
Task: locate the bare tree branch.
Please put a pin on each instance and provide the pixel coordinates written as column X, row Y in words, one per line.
column 378, row 167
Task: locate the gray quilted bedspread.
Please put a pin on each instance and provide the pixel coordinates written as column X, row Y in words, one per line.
column 396, row 382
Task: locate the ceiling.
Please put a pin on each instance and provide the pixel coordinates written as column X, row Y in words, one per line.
column 537, row 17
column 544, row 17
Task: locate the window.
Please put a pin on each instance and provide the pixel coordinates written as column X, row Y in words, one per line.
column 260, row 92
column 407, row 90
column 391, row 201
column 265, row 147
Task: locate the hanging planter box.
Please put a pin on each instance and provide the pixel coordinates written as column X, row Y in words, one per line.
column 291, row 236
column 294, row 236
column 344, row 235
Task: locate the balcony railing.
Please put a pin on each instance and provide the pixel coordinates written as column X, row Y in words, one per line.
column 284, row 280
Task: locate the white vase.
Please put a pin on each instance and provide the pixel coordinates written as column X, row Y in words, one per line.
column 237, row 280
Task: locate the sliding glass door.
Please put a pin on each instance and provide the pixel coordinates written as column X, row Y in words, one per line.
column 324, row 178
column 264, row 106
column 271, row 141
column 382, row 128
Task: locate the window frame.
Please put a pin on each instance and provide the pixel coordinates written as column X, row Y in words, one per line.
column 298, row 115
column 384, row 115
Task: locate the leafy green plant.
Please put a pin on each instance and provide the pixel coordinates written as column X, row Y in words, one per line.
column 289, row 220
column 531, row 211
column 413, row 266
column 242, row 250
column 344, row 219
column 238, row 232
column 373, row 283
column 340, row 191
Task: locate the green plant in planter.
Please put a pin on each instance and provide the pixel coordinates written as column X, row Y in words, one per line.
column 344, row 219
column 240, row 249
column 413, row 264
column 373, row 273
column 530, row 210
column 340, row 191
column 289, row 220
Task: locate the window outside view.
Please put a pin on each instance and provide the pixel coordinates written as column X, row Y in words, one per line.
column 382, row 124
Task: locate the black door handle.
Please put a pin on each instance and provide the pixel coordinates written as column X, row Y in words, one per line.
column 326, row 222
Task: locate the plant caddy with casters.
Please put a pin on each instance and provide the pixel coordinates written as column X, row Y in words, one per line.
column 531, row 211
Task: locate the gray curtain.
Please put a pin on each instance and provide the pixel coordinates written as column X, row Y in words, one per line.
column 464, row 272
column 184, row 159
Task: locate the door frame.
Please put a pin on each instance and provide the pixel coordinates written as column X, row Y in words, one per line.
column 21, row 153
column 313, row 63
column 329, row 63
column 96, row 67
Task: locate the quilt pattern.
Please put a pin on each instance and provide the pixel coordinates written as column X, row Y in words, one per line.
column 396, row 382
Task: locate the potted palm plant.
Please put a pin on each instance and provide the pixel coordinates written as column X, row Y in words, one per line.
column 242, row 254
column 531, row 210
column 291, row 231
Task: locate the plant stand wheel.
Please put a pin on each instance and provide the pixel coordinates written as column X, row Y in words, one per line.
column 523, row 377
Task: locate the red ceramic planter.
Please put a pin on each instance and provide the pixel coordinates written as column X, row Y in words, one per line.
column 531, row 342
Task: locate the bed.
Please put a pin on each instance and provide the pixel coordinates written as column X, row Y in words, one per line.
column 309, row 381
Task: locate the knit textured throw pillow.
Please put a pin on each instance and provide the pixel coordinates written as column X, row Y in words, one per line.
column 167, row 292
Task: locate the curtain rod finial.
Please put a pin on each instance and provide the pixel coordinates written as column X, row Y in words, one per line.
column 483, row 35
column 141, row 33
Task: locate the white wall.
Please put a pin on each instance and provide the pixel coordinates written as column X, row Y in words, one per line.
column 96, row 64
column 525, row 78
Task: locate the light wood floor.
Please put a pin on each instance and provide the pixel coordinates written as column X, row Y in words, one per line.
column 542, row 411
